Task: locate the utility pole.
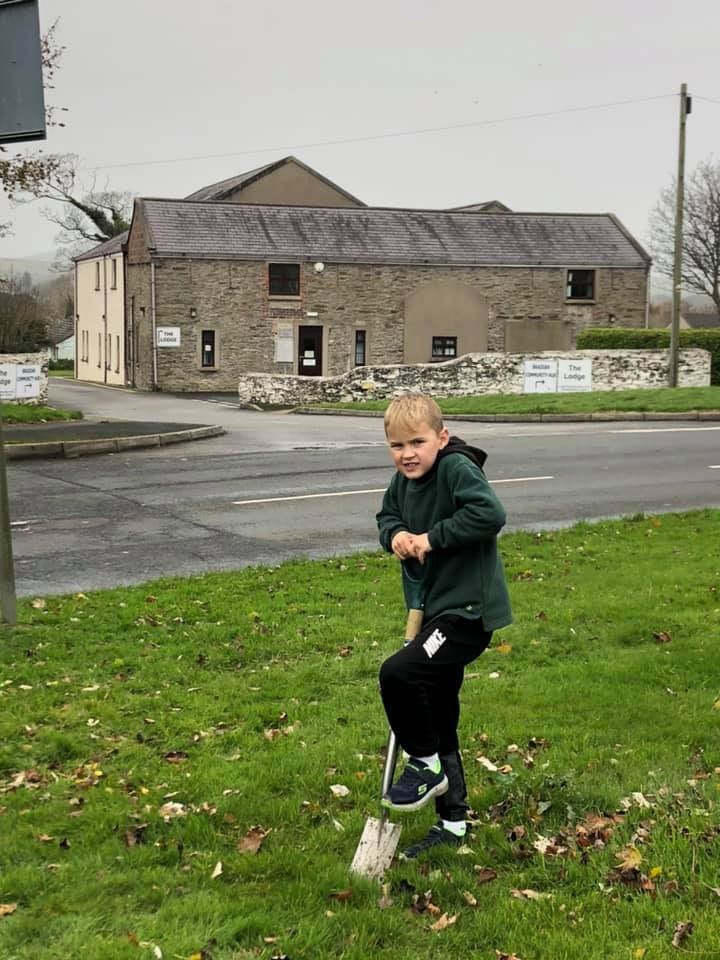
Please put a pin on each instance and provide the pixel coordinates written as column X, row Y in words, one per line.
column 685, row 108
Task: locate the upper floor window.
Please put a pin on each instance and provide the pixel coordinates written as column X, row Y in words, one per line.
column 113, row 273
column 444, row 348
column 360, row 348
column 284, row 279
column 580, row 285
column 97, row 274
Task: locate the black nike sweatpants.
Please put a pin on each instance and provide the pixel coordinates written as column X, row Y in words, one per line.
column 420, row 684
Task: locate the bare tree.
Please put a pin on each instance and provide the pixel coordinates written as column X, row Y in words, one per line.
column 86, row 214
column 701, row 231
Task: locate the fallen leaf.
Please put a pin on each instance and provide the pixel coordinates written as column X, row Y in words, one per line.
column 176, row 756
column 45, row 838
column 253, row 840
column 170, row 811
column 469, row 899
column 503, row 648
column 529, row 895
column 629, row 858
column 682, row 932
column 485, row 874
column 444, row 922
column 662, row 636
column 385, row 900
column 339, row 790
column 135, row 835
column 217, row 872
column 506, row 956
column 341, row 896
column 7, row 908
column 488, row 764
column 38, row 603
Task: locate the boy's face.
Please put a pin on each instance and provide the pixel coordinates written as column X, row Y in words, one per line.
column 415, row 449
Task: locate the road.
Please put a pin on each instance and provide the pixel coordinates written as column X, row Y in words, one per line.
column 280, row 486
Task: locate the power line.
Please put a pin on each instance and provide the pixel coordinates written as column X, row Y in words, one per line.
column 706, row 99
column 383, row 136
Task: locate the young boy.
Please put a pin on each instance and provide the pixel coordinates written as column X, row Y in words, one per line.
column 440, row 510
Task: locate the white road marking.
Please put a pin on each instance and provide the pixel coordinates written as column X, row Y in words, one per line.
column 354, row 493
column 664, row 430
column 23, row 523
column 715, row 466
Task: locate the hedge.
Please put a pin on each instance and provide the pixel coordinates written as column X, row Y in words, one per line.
column 628, row 338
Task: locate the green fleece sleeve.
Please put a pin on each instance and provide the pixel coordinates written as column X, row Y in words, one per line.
column 389, row 518
column 478, row 513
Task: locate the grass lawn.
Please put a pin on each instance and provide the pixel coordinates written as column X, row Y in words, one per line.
column 172, row 758
column 661, row 400
column 24, row 413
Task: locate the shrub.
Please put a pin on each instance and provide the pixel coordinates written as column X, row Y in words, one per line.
column 61, row 365
column 627, row 338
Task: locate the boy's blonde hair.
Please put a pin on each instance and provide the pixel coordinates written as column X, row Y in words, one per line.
column 409, row 410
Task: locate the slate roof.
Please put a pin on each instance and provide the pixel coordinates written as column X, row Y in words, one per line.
column 104, row 249
column 223, row 189
column 178, row 228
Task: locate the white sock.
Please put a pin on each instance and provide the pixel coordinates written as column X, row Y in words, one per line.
column 458, row 827
column 433, row 761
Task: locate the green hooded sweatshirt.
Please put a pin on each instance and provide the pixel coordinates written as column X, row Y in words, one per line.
column 454, row 504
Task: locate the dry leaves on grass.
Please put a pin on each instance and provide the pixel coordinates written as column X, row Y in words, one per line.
column 485, row 874
column 253, row 840
column 506, row 956
column 444, row 922
column 529, row 895
column 171, row 811
column 682, row 932
column 6, row 909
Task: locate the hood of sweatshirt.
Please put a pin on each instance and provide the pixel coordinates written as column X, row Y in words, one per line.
column 455, row 445
column 458, row 445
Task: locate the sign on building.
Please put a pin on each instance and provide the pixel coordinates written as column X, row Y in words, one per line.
column 284, row 350
column 168, row 336
column 540, row 376
column 575, row 376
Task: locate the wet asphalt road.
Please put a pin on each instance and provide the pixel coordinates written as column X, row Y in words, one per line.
column 278, row 486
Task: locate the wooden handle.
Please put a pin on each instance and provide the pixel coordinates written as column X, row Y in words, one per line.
column 413, row 625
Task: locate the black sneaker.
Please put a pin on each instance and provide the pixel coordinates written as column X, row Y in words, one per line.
column 417, row 784
column 436, row 836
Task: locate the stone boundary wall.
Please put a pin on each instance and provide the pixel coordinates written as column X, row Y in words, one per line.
column 475, row 373
column 27, row 360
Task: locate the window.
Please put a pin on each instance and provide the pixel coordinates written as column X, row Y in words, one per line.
column 360, row 348
column 99, row 350
column 284, row 279
column 97, row 274
column 207, row 348
column 117, row 354
column 108, row 358
column 113, row 273
column 444, row 347
column 580, row 285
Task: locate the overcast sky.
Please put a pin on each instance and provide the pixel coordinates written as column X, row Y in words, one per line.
column 165, row 96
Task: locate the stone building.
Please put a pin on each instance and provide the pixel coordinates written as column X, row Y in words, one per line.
column 281, row 271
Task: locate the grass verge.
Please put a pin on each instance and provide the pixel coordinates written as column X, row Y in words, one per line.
column 24, row 413
column 661, row 400
column 172, row 758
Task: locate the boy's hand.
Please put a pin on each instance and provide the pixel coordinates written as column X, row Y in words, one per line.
column 421, row 546
column 402, row 544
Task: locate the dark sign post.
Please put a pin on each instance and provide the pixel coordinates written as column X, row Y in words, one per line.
column 22, row 104
column 22, row 117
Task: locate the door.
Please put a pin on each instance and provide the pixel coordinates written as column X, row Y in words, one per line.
column 310, row 351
